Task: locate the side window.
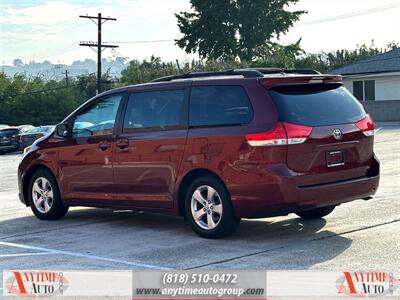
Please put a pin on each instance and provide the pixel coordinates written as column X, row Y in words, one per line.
column 364, row 90
column 98, row 118
column 369, row 88
column 358, row 90
column 219, row 105
column 158, row 110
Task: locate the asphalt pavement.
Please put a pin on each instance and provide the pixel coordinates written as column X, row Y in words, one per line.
column 361, row 235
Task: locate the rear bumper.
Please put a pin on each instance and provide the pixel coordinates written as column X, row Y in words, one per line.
column 283, row 196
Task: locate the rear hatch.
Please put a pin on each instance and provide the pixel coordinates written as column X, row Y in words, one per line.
column 332, row 133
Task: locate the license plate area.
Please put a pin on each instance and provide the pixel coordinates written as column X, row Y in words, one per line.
column 334, row 158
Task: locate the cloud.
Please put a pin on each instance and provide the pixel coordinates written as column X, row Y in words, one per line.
column 35, row 26
column 52, row 16
column 50, row 13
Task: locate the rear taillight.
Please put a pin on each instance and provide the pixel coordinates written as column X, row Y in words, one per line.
column 366, row 126
column 281, row 134
column 297, row 134
column 275, row 137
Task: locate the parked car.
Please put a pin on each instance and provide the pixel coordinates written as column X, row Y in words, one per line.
column 9, row 140
column 3, row 126
column 27, row 138
column 213, row 147
column 25, row 128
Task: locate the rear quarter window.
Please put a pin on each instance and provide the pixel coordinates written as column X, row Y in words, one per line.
column 316, row 105
column 219, row 106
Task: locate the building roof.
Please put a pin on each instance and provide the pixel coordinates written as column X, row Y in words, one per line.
column 381, row 63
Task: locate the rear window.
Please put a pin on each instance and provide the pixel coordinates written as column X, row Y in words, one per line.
column 39, row 129
column 9, row 132
column 219, row 105
column 316, row 105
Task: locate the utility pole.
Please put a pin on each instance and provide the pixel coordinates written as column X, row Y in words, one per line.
column 66, row 77
column 179, row 68
column 100, row 47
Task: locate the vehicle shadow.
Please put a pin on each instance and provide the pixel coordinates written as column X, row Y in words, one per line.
column 276, row 243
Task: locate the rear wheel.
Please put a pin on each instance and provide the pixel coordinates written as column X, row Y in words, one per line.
column 208, row 208
column 44, row 196
column 316, row 213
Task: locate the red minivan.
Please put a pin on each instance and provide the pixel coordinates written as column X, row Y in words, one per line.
column 213, row 147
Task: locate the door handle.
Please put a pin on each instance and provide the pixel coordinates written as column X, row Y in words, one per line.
column 104, row 146
column 122, row 145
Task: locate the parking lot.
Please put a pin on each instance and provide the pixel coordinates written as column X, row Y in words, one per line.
column 362, row 235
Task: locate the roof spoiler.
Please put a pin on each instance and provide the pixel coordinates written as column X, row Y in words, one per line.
column 301, row 79
column 267, row 71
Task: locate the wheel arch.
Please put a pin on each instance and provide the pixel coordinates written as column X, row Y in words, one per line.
column 187, row 180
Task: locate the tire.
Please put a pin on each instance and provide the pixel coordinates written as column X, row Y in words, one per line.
column 43, row 184
column 208, row 208
column 316, row 213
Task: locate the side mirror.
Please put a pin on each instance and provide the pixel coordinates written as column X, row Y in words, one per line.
column 62, row 130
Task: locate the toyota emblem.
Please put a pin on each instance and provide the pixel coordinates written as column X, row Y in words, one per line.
column 337, row 134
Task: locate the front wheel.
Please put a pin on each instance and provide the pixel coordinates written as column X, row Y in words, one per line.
column 44, row 196
column 316, row 213
column 209, row 209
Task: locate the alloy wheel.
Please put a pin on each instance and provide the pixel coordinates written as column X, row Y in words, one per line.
column 42, row 195
column 206, row 207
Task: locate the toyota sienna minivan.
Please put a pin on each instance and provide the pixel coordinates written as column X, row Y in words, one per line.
column 213, row 147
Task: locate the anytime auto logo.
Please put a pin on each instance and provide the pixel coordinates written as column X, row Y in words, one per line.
column 367, row 284
column 35, row 283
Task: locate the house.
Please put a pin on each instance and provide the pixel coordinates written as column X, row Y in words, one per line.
column 376, row 83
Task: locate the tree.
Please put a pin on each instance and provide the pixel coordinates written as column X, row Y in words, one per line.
column 32, row 100
column 343, row 57
column 145, row 71
column 227, row 29
column 17, row 62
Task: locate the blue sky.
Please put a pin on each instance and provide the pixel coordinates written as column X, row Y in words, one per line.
column 51, row 29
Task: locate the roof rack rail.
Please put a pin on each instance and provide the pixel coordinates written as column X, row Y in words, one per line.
column 285, row 71
column 246, row 73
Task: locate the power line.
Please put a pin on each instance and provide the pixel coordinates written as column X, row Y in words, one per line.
column 48, row 52
column 99, row 20
column 56, row 53
column 353, row 14
column 143, row 42
column 72, row 47
column 117, row 54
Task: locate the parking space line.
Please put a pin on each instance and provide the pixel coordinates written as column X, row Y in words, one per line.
column 25, row 254
column 88, row 256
